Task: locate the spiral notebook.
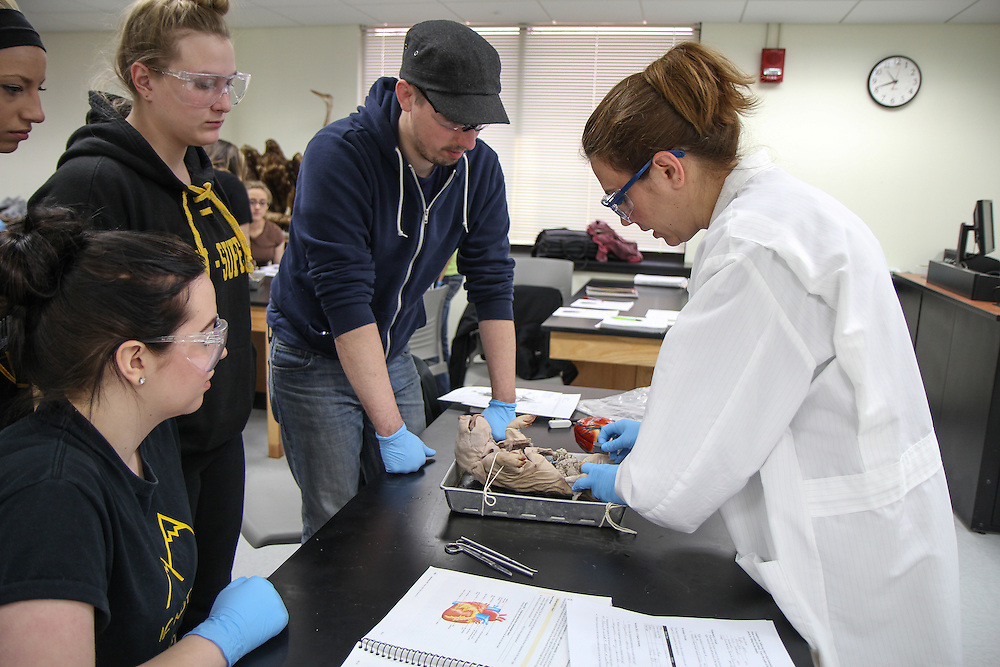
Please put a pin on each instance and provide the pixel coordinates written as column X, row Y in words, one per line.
column 454, row 618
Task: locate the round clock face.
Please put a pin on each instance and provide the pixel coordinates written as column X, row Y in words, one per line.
column 894, row 81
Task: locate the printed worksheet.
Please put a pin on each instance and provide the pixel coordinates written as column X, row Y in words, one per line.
column 602, row 636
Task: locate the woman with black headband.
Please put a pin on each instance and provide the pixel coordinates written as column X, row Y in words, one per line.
column 22, row 72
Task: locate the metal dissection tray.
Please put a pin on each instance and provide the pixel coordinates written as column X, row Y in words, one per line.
column 465, row 495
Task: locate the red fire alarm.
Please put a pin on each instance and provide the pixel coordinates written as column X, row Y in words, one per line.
column 772, row 65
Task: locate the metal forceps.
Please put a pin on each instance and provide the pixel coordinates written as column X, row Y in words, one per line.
column 488, row 557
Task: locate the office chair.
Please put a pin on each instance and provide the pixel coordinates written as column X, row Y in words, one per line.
column 425, row 343
column 531, row 307
column 545, row 272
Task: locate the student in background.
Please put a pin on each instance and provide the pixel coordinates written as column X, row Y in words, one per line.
column 787, row 396
column 119, row 332
column 22, row 73
column 146, row 171
column 267, row 241
column 227, row 161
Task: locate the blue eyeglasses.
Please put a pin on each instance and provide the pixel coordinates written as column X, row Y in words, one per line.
column 619, row 202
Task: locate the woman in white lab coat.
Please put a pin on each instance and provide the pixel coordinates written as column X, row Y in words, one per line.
column 787, row 395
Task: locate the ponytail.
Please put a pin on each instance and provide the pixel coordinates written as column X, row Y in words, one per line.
column 691, row 98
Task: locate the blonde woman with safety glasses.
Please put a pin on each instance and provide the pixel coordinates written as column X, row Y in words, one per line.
column 138, row 164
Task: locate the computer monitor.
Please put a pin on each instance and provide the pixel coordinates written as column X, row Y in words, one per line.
column 982, row 230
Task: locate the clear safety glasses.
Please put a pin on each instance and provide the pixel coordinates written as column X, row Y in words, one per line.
column 619, row 202
column 202, row 349
column 203, row 90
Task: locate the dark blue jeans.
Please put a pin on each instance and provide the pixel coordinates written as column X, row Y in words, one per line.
column 329, row 441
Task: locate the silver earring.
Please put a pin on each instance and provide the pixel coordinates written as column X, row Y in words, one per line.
column 142, row 380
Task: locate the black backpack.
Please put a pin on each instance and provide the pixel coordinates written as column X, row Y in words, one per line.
column 565, row 244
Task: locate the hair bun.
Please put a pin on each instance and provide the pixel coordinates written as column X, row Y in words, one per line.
column 36, row 254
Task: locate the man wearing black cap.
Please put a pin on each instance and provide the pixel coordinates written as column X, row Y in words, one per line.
column 383, row 198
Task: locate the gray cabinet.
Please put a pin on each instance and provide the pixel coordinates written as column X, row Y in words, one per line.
column 957, row 343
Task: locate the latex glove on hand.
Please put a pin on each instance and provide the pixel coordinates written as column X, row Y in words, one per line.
column 618, row 438
column 499, row 414
column 600, row 479
column 403, row 452
column 245, row 614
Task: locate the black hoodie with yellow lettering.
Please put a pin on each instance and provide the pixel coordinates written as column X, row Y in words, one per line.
column 111, row 174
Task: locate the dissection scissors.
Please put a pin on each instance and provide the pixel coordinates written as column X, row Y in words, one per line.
column 494, row 559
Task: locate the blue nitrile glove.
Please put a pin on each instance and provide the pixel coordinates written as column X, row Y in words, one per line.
column 618, row 438
column 403, row 452
column 499, row 414
column 245, row 614
column 600, row 479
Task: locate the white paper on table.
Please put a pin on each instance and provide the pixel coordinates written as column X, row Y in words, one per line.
column 538, row 402
column 602, row 636
column 660, row 281
column 585, row 313
column 668, row 317
column 602, row 304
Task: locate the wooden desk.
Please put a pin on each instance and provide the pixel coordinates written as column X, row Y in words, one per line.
column 957, row 343
column 341, row 582
column 612, row 359
column 258, row 334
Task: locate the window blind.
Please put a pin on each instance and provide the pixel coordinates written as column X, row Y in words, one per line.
column 552, row 77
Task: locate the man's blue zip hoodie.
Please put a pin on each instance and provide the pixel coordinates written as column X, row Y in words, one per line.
column 368, row 238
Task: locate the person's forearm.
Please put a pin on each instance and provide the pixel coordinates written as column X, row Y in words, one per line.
column 190, row 650
column 499, row 348
column 361, row 354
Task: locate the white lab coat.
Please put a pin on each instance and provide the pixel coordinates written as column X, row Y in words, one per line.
column 788, row 397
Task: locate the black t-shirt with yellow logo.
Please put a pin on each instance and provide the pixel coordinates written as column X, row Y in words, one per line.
column 77, row 524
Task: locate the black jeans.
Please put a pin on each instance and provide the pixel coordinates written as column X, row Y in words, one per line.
column 215, row 490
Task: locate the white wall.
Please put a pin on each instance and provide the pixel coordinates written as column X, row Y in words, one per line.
column 284, row 64
column 913, row 174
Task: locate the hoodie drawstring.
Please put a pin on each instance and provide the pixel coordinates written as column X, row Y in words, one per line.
column 195, row 233
column 465, row 207
column 209, row 193
column 399, row 208
column 201, row 194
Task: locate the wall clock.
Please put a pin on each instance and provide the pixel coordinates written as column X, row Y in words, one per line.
column 894, row 81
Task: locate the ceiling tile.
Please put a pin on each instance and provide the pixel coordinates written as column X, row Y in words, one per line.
column 593, row 11
column 60, row 15
column 328, row 13
column 498, row 12
column 983, row 11
column 797, row 11
column 905, row 11
column 405, row 13
column 246, row 16
column 692, row 11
